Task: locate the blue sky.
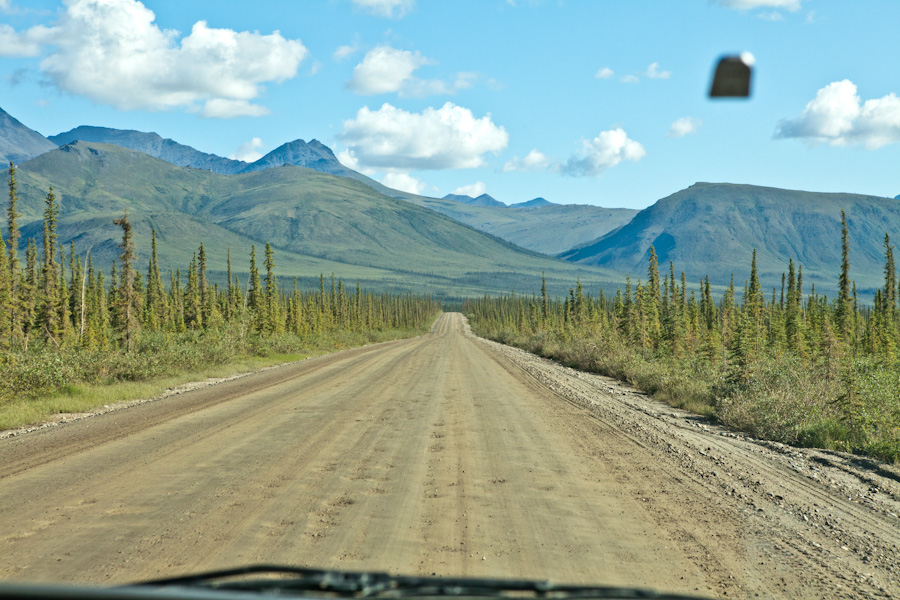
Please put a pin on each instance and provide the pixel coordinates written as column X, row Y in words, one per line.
column 576, row 101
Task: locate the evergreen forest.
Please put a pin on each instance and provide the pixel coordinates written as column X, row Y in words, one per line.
column 783, row 364
column 65, row 322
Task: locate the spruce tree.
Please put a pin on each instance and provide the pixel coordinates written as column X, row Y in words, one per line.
column 6, row 297
column 127, row 295
column 14, row 314
column 272, row 317
column 254, row 293
column 653, row 300
column 206, row 298
column 28, row 289
column 48, row 316
column 890, row 284
column 193, row 314
column 843, row 316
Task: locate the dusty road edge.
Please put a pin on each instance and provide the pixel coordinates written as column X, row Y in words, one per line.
column 190, row 386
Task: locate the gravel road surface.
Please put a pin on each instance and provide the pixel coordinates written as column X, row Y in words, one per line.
column 444, row 454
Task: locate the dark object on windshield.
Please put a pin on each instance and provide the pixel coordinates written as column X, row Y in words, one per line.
column 732, row 77
column 266, row 581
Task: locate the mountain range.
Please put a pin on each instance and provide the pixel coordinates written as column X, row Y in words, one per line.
column 549, row 233
column 713, row 228
column 317, row 223
column 706, row 229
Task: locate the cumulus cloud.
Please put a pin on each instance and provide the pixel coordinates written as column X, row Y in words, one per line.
column 223, row 108
column 602, row 153
column 533, row 161
column 473, row 190
column 449, row 137
column 684, row 126
column 604, row 73
column 386, row 70
column 248, row 151
column 837, row 116
column 630, row 79
column 654, row 72
column 113, row 52
column 27, row 43
column 791, row 5
column 404, row 182
column 391, row 9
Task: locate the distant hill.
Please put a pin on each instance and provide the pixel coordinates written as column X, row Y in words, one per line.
column 482, row 200
column 312, row 155
column 535, row 231
column 712, row 228
column 318, row 223
column 535, row 203
column 18, row 143
column 151, row 144
column 547, row 229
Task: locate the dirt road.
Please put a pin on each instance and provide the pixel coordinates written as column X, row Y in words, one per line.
column 443, row 454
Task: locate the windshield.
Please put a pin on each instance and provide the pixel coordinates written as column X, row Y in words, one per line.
column 495, row 289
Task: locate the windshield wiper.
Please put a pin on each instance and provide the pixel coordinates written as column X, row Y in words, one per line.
column 320, row 583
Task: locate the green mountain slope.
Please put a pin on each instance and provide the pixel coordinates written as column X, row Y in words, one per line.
column 549, row 232
column 712, row 228
column 317, row 223
column 19, row 143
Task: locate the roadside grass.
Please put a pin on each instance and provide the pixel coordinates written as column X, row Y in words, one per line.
column 139, row 376
column 785, row 400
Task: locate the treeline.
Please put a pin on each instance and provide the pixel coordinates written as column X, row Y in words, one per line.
column 786, row 365
column 61, row 302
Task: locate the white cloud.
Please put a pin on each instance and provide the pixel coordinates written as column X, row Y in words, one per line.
column 604, row 73
column 630, row 79
column 349, row 160
column 684, row 126
column 837, row 116
column 449, row 137
column 533, row 161
column 654, row 72
column 605, row 151
column 386, row 8
column 791, row 5
column 474, row 189
column 27, row 43
column 346, row 158
column 386, row 70
column 112, row 52
column 404, row 182
column 345, row 52
column 248, row 151
column 223, row 108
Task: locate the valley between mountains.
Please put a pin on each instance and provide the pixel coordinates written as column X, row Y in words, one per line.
column 444, row 454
